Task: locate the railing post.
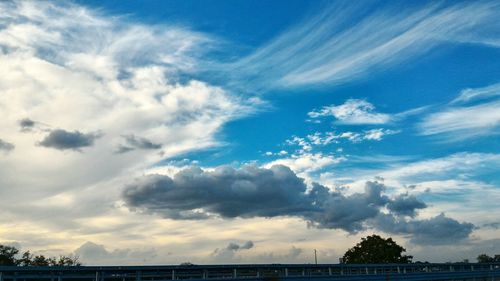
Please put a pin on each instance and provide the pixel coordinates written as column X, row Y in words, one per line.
column 399, row 270
column 173, row 274
column 366, row 269
column 329, row 271
column 234, row 273
column 1, row 276
column 138, row 275
column 286, row 271
column 97, row 276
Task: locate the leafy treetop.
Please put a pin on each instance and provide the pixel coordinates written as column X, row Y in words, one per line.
column 375, row 249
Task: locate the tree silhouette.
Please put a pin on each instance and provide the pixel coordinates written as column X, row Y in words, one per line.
column 484, row 258
column 8, row 258
column 375, row 249
column 8, row 255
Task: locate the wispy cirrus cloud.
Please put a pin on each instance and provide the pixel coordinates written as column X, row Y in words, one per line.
column 328, row 49
column 471, row 94
column 474, row 113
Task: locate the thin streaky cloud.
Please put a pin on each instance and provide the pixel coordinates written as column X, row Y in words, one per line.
column 454, row 122
column 458, row 125
column 471, row 94
column 327, row 50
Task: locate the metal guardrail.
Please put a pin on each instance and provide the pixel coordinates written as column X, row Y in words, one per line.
column 259, row 272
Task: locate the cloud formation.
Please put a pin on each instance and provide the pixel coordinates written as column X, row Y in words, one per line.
column 352, row 112
column 235, row 247
column 260, row 192
column 327, row 48
column 454, row 122
column 135, row 142
column 89, row 72
column 471, row 94
column 406, row 205
column 6, row 146
column 64, row 140
column 26, row 124
column 432, row 231
column 96, row 254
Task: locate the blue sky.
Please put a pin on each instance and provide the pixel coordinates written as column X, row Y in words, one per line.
column 324, row 120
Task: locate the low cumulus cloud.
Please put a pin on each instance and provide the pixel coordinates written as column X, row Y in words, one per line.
column 6, row 146
column 277, row 191
column 432, row 231
column 64, row 140
column 228, row 254
column 92, row 253
column 133, row 142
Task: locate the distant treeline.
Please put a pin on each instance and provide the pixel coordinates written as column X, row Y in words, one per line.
column 9, row 257
column 484, row 258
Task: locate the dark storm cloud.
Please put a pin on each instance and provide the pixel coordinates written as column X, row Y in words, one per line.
column 63, row 140
column 227, row 192
column 259, row 192
column 433, row 231
column 346, row 212
column 6, row 146
column 134, row 142
column 26, row 124
column 406, row 205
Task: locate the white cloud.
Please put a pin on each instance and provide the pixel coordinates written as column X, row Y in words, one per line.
column 329, row 49
column 319, row 139
column 471, row 94
column 352, row 112
column 464, row 121
column 71, row 69
column 323, row 139
column 306, row 163
column 452, row 166
column 279, row 153
column 378, row 134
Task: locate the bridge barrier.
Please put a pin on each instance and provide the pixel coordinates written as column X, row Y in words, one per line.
column 260, row 272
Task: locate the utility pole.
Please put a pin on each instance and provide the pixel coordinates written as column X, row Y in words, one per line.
column 315, row 257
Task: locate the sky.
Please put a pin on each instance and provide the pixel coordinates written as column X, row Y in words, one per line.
column 162, row 132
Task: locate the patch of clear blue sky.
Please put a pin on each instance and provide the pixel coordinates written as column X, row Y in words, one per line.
column 433, row 79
